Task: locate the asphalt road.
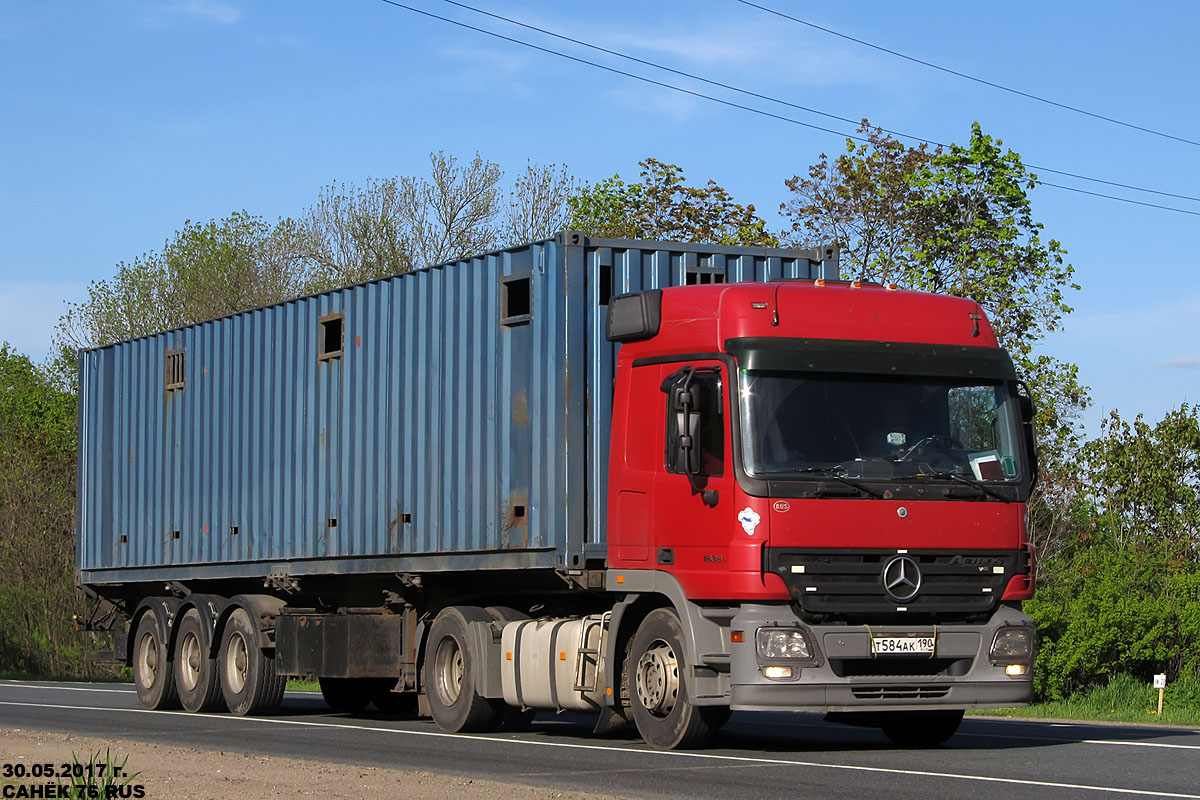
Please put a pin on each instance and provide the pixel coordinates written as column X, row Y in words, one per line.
column 757, row 756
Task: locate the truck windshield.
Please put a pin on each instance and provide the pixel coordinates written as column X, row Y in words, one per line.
column 877, row 427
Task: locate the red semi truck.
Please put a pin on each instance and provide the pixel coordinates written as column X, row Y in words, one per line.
column 813, row 498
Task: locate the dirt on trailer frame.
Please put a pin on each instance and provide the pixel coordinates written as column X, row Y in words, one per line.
column 187, row 774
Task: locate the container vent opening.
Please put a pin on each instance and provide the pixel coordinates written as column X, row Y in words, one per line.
column 330, row 337
column 516, row 300
column 174, row 372
column 605, row 283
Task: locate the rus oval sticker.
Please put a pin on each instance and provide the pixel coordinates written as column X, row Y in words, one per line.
column 782, row 506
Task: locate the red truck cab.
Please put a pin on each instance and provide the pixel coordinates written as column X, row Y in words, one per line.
column 835, row 474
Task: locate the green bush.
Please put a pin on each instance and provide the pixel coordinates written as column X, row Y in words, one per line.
column 1107, row 612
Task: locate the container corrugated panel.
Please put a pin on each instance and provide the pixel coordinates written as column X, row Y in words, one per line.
column 446, row 435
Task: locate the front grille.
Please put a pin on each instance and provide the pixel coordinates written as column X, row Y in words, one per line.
column 849, row 583
column 900, row 692
column 899, row 666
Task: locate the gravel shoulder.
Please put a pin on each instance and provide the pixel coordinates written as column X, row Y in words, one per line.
column 189, row 774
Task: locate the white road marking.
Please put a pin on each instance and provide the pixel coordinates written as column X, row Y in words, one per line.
column 781, row 724
column 634, row 751
column 64, row 688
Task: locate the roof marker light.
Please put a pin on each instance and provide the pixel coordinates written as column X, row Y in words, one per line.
column 818, row 282
column 856, row 284
column 891, row 287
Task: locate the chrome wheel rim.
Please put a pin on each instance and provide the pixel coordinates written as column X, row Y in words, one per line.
column 237, row 662
column 448, row 670
column 657, row 679
column 147, row 660
column 189, row 660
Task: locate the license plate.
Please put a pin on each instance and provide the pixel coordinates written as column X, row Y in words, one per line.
column 903, row 645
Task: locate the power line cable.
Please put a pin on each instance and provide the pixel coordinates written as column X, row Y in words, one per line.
column 789, row 104
column 723, row 101
column 949, row 71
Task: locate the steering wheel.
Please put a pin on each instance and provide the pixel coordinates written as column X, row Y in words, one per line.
column 939, row 443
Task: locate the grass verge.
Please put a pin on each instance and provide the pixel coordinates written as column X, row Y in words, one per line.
column 1122, row 699
column 297, row 685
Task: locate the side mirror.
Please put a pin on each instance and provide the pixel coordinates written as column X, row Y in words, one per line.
column 1028, row 414
column 685, row 403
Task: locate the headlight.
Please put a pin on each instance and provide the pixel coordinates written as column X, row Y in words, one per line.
column 1012, row 644
column 775, row 643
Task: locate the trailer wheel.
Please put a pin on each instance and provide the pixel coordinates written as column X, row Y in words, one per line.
column 247, row 674
column 450, row 673
column 195, row 672
column 664, row 715
column 347, row 695
column 919, row 729
column 153, row 675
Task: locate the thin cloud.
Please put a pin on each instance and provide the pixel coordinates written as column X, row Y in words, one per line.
column 161, row 16
column 212, row 10
column 1184, row 362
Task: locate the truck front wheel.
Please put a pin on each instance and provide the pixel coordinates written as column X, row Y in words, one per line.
column 152, row 673
column 195, row 672
column 249, row 682
column 662, row 711
column 450, row 673
column 917, row 729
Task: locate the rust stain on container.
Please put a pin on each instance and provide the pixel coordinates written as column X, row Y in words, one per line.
column 520, row 412
column 393, row 536
column 516, row 521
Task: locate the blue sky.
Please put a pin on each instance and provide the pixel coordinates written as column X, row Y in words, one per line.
column 120, row 119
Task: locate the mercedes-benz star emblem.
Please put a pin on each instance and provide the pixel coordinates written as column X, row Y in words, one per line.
column 902, row 578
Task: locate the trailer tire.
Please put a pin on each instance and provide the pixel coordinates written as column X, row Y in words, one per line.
column 347, row 695
column 450, row 673
column 246, row 671
column 153, row 672
column 920, row 729
column 195, row 672
column 662, row 711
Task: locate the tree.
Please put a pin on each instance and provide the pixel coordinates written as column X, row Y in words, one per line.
column 1123, row 596
column 37, row 521
column 865, row 200
column 537, row 204
column 1144, row 481
column 391, row 225
column 664, row 207
column 205, row 270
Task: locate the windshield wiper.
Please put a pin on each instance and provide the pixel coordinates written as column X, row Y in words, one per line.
column 954, row 476
column 829, row 473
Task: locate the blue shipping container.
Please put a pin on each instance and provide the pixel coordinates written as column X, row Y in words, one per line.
column 454, row 417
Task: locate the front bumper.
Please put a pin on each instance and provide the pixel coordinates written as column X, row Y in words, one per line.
column 844, row 675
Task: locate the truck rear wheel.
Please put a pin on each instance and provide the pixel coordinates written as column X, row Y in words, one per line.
column 662, row 711
column 153, row 675
column 195, row 672
column 918, row 729
column 450, row 673
column 247, row 674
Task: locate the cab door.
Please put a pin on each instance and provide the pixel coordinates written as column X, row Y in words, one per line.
column 696, row 499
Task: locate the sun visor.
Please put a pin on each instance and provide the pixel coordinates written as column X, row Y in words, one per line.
column 876, row 358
